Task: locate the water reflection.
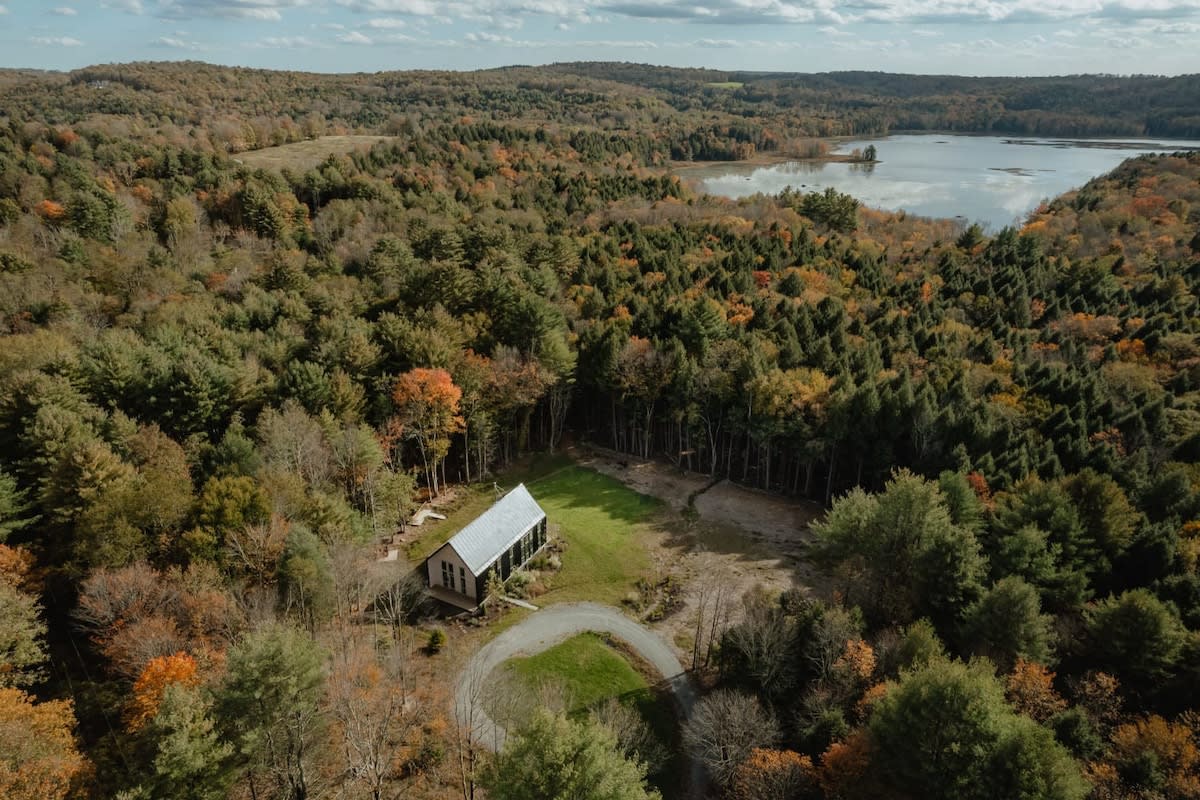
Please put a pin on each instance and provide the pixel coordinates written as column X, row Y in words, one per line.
column 991, row 180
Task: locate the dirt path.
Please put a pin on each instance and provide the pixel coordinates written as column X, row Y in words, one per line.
column 543, row 630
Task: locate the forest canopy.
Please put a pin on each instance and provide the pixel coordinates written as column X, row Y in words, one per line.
column 222, row 386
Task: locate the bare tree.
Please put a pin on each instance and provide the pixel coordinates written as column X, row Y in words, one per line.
column 471, row 725
column 560, row 401
column 722, row 730
column 372, row 700
column 399, row 594
column 257, row 548
column 712, row 617
column 634, row 736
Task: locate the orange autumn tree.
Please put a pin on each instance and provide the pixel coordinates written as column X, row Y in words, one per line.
column 1030, row 690
column 846, row 769
column 1169, row 746
column 161, row 672
column 774, row 775
column 50, row 210
column 38, row 757
column 427, row 413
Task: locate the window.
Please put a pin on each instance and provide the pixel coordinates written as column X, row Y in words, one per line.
column 447, row 575
column 462, row 580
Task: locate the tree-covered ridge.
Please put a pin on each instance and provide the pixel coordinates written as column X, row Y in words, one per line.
column 220, row 387
column 663, row 113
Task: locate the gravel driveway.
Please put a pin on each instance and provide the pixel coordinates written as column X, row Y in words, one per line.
column 543, row 630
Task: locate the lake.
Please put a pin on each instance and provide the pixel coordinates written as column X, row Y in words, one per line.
column 992, row 180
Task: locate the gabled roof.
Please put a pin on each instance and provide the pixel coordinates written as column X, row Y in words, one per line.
column 495, row 530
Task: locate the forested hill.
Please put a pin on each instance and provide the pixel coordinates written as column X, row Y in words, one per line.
column 872, row 102
column 701, row 114
column 221, row 387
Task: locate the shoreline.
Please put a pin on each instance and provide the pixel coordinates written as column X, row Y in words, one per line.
column 770, row 159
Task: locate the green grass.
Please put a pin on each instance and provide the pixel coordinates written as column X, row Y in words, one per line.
column 726, row 85
column 589, row 671
column 600, row 520
column 305, row 155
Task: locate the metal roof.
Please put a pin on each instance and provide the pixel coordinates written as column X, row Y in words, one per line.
column 495, row 530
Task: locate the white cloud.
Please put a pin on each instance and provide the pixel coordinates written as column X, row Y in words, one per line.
column 132, row 6
column 287, row 43
column 1126, row 42
column 354, row 37
column 55, row 41
column 386, row 23
column 3, row 10
column 483, row 36
column 773, row 12
column 64, row 11
column 177, row 43
column 415, row 8
column 267, row 10
column 1176, row 28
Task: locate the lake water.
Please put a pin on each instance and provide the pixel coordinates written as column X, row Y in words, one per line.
column 992, row 180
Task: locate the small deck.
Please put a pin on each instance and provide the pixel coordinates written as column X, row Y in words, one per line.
column 450, row 598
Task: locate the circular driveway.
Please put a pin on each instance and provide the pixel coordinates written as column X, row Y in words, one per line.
column 542, row 630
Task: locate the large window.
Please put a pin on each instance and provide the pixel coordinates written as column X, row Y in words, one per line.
column 448, row 576
column 462, row 580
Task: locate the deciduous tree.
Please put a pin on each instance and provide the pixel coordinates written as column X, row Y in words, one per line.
column 724, row 728
column 39, row 759
column 427, row 412
column 177, row 669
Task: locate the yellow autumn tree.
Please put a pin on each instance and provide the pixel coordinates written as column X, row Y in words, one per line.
column 1169, row 746
column 38, row 756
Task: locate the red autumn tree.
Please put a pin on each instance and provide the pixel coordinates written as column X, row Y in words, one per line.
column 161, row 672
column 427, row 414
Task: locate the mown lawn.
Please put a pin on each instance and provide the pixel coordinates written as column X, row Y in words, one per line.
column 588, row 670
column 601, row 521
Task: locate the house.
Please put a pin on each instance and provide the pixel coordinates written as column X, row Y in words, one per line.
column 503, row 538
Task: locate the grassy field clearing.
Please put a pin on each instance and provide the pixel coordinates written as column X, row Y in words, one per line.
column 589, row 672
column 305, row 155
column 601, row 521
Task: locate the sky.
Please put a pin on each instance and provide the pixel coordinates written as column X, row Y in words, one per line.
column 964, row 37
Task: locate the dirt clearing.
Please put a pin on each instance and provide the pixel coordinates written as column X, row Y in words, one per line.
column 739, row 538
